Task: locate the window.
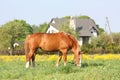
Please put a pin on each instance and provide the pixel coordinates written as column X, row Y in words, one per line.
column 53, row 22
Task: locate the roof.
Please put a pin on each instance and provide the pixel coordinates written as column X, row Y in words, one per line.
column 82, row 25
column 59, row 22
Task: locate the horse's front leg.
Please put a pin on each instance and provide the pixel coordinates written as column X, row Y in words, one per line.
column 64, row 52
column 59, row 59
column 65, row 58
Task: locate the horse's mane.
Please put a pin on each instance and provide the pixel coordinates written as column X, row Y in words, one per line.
column 71, row 37
column 74, row 41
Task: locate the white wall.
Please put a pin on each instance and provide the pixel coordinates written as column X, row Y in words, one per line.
column 51, row 29
column 80, row 41
column 94, row 32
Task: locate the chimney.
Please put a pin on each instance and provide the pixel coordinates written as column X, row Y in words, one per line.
column 72, row 22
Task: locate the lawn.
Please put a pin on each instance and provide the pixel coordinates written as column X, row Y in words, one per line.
column 92, row 69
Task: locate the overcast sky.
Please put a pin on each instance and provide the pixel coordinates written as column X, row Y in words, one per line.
column 40, row 11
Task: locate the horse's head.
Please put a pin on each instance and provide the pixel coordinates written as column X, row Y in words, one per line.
column 78, row 59
column 76, row 50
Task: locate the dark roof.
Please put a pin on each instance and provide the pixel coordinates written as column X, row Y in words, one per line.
column 85, row 25
column 59, row 22
column 82, row 25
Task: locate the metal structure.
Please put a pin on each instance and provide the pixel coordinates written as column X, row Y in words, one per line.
column 107, row 25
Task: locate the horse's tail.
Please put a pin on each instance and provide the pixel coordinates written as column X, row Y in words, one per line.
column 26, row 46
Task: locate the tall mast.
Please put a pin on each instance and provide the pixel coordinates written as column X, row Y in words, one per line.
column 108, row 25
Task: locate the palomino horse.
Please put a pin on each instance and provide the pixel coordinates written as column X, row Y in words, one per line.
column 60, row 41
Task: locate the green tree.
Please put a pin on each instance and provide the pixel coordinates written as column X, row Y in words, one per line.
column 100, row 30
column 44, row 27
column 65, row 27
column 12, row 32
column 40, row 28
column 36, row 28
column 66, row 17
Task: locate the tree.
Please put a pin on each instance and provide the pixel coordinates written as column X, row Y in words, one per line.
column 100, row 30
column 44, row 27
column 36, row 28
column 66, row 17
column 65, row 27
column 40, row 28
column 13, row 31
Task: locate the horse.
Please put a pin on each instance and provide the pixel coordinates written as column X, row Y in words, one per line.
column 61, row 42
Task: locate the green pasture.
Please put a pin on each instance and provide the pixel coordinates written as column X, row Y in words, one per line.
column 46, row 70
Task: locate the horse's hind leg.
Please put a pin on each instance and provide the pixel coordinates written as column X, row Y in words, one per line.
column 33, row 60
column 27, row 60
column 29, row 56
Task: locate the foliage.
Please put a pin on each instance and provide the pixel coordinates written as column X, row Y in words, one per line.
column 100, row 30
column 13, row 31
column 44, row 27
column 80, row 17
column 65, row 27
column 36, row 28
column 66, row 17
column 40, row 28
column 103, row 44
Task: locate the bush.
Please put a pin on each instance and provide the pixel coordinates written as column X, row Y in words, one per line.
column 103, row 44
column 4, row 52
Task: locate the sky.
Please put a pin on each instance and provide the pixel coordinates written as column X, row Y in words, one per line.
column 40, row 11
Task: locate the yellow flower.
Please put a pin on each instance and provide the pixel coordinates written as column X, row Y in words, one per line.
column 86, row 57
column 52, row 57
column 55, row 57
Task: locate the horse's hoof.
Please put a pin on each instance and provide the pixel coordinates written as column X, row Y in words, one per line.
column 27, row 65
column 79, row 65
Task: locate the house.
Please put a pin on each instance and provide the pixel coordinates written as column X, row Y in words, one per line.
column 86, row 27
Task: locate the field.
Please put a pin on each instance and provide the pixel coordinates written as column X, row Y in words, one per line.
column 94, row 67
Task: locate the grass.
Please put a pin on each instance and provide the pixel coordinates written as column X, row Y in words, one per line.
column 46, row 70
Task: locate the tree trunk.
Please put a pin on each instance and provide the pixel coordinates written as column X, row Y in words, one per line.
column 12, row 46
column 11, row 51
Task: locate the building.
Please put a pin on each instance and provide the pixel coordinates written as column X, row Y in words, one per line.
column 86, row 27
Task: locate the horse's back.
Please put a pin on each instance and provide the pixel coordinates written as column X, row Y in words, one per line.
column 55, row 41
column 50, row 42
